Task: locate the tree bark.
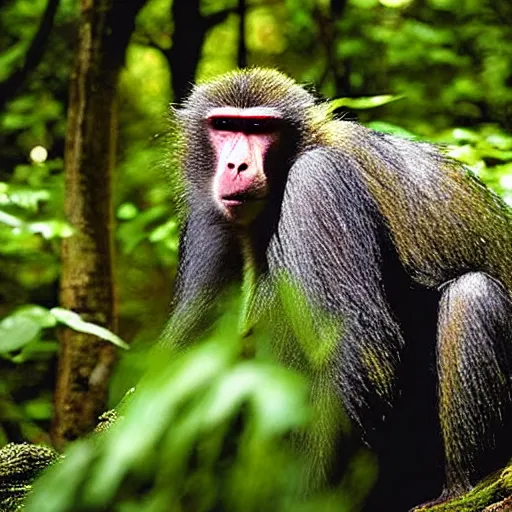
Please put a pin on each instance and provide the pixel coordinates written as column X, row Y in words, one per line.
column 85, row 362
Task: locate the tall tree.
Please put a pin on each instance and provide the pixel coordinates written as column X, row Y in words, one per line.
column 87, row 284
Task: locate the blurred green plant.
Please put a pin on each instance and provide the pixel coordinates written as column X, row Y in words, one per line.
column 31, row 204
column 206, row 430
column 485, row 150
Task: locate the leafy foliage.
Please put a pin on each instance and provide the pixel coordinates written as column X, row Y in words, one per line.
column 204, row 429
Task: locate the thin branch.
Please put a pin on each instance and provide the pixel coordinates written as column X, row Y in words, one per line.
column 145, row 39
column 218, row 17
column 122, row 29
column 33, row 57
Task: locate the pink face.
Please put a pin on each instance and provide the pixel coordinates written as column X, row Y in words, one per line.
column 241, row 139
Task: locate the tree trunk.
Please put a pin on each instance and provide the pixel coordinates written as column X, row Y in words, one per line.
column 190, row 29
column 242, row 47
column 85, row 361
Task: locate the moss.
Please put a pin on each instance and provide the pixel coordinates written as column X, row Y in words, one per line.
column 492, row 495
column 20, row 464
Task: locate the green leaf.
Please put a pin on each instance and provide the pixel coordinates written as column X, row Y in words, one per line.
column 395, row 4
column 39, row 314
column 16, row 331
column 506, row 179
column 51, row 229
column 500, row 141
column 9, row 58
column 363, row 103
column 25, row 198
column 73, row 320
column 10, row 220
column 133, row 232
column 39, row 409
column 495, row 154
column 167, row 230
column 466, row 154
column 465, row 135
column 276, row 396
column 36, row 351
column 127, row 211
